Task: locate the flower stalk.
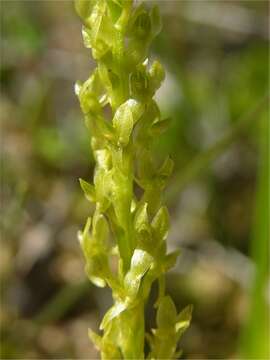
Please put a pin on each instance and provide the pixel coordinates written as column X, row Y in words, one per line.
column 127, row 229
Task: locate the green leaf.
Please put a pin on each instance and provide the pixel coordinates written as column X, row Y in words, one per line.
column 88, row 189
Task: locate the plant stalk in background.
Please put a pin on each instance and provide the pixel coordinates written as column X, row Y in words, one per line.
column 124, row 243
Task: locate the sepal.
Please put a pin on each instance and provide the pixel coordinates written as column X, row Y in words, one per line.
column 170, row 327
column 141, row 222
column 88, row 189
column 170, row 260
column 113, row 312
column 140, row 24
column 108, row 348
column 125, row 118
column 141, row 261
column 166, row 314
column 84, row 8
column 155, row 20
column 158, row 128
column 166, row 169
column 184, row 319
column 160, row 223
column 156, row 75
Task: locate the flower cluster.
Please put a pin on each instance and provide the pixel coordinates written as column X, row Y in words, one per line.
column 127, row 229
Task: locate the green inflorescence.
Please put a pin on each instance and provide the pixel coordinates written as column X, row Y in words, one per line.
column 126, row 229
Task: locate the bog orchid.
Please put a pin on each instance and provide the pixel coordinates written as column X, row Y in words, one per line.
column 129, row 225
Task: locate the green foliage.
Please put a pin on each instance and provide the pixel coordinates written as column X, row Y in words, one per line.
column 119, row 35
column 254, row 346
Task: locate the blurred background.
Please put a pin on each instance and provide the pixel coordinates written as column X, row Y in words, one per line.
column 216, row 54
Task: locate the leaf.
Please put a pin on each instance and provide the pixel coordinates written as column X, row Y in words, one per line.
column 88, row 189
